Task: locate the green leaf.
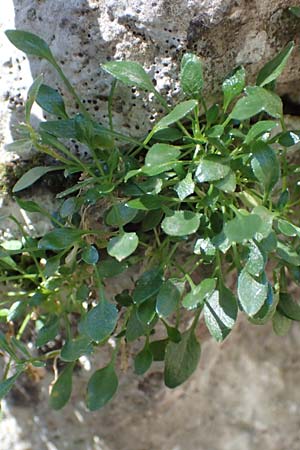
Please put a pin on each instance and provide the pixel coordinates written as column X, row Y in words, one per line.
column 160, row 158
column 30, row 44
column 146, row 311
column 101, row 321
column 287, row 228
column 59, row 239
column 6, row 385
column 227, row 184
column 233, row 85
column 288, row 307
column 267, row 310
column 120, row 214
column 158, row 349
column 168, row 297
column 4, row 346
column 51, row 101
column 90, row 255
column 257, row 100
column 191, row 75
column 31, row 96
column 256, row 261
column 62, row 388
column 135, row 328
column 265, row 165
column 266, row 217
column 242, row 227
column 289, row 138
column 295, row 10
column 220, row 313
column 259, row 128
column 122, row 245
column 288, row 254
column 19, row 146
column 73, row 349
column 146, row 202
column 179, row 112
column 199, row 293
column 48, row 332
column 28, row 205
column 130, row 73
column 252, row 292
column 59, row 128
column 147, row 285
column 181, row 223
column 167, row 135
column 110, row 268
column 281, row 324
column 181, row 359
column 143, row 361
column 211, row 168
column 185, row 187
column 273, row 69
column 68, row 207
column 32, row 176
column 102, row 386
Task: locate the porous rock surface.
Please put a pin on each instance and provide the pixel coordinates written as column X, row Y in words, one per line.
column 83, row 34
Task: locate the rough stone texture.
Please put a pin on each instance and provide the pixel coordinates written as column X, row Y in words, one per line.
column 243, row 396
column 83, row 34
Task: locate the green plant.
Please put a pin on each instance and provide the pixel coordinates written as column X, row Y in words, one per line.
column 208, row 192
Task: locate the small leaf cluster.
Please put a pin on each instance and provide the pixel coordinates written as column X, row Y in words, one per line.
column 205, row 199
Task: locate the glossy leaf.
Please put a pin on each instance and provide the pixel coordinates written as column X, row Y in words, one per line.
column 181, row 359
column 265, row 165
column 123, row 245
column 259, row 128
column 158, row 349
column 257, row 100
column 73, row 349
column 273, row 69
column 101, row 321
column 288, row 254
column 160, row 158
column 110, row 268
column 233, row 85
column 211, row 168
column 199, row 293
column 287, row 228
column 135, row 328
column 256, row 260
column 30, row 44
column 220, row 313
column 130, row 73
column 295, row 10
column 146, row 311
column 178, row 113
column 32, row 176
column 228, row 183
column 102, row 386
column 90, row 255
column 51, row 101
column 252, row 292
column 59, row 239
column 181, row 223
column 185, row 187
column 191, row 75
column 120, row 214
column 62, row 388
column 242, row 227
column 168, row 297
column 147, row 285
column 289, row 138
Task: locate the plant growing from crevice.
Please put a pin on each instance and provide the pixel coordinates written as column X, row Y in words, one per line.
column 205, row 195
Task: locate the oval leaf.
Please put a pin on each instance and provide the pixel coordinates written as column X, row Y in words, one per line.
column 211, row 169
column 191, row 75
column 242, row 227
column 160, row 158
column 198, row 294
column 168, row 297
column 257, row 100
column 181, row 223
column 143, row 361
column 130, row 73
column 51, row 101
column 30, row 44
column 252, row 293
column 265, row 165
column 123, row 245
column 62, row 388
column 59, row 239
column 101, row 321
column 181, row 359
column 233, row 85
column 180, row 111
column 102, row 386
column 220, row 313
column 273, row 69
